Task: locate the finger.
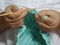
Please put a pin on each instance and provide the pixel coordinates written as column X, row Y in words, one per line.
column 40, row 22
column 15, row 19
column 24, row 13
column 16, row 23
column 20, row 13
column 51, row 18
column 12, row 20
column 16, row 26
column 48, row 20
column 15, row 8
column 15, row 14
column 43, row 25
column 49, row 13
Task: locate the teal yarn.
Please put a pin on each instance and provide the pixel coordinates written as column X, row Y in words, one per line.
column 30, row 34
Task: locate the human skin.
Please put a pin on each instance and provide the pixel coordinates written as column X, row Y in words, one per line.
column 52, row 16
column 13, row 20
column 3, row 25
column 16, row 19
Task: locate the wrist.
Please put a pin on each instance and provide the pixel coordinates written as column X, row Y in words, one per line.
column 59, row 19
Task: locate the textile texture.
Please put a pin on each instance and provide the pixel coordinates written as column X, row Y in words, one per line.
column 30, row 34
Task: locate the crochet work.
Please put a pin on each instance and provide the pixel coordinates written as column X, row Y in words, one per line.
column 30, row 34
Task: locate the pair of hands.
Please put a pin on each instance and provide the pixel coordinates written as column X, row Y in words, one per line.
column 16, row 19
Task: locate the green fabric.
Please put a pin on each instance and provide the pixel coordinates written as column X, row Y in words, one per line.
column 30, row 34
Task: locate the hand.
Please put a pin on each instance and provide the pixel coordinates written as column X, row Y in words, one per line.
column 15, row 20
column 3, row 25
column 48, row 20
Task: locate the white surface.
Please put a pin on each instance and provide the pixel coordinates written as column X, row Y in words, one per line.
column 55, row 40
column 39, row 5
column 2, row 5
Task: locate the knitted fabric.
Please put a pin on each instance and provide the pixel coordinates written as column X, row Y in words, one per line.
column 30, row 34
